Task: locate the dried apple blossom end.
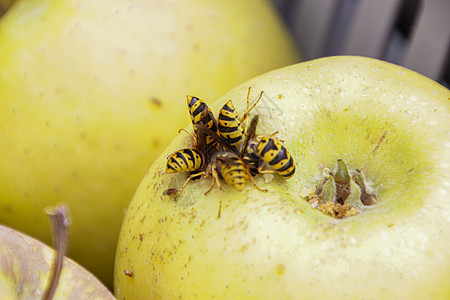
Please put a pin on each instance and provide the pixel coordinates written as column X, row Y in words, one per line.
column 367, row 197
column 329, row 191
column 342, row 175
column 340, row 195
column 354, row 199
column 326, row 175
column 342, row 178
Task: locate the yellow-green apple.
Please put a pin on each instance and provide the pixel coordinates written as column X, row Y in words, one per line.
column 384, row 121
column 25, row 268
column 92, row 91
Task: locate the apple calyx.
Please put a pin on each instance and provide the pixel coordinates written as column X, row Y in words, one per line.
column 342, row 193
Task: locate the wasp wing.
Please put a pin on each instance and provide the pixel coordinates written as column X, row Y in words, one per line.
column 251, row 134
column 222, row 142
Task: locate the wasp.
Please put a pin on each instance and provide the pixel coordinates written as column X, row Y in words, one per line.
column 227, row 150
column 226, row 165
column 229, row 164
column 229, row 126
column 195, row 160
column 192, row 160
column 201, row 114
column 232, row 169
column 185, row 160
column 267, row 149
column 272, row 151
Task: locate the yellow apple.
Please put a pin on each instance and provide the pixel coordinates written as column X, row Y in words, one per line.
column 25, row 268
column 387, row 121
column 92, row 91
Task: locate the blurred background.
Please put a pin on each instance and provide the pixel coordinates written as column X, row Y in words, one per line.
column 411, row 33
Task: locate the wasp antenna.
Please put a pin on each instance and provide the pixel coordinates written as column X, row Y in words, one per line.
column 274, row 134
column 248, row 103
column 187, row 132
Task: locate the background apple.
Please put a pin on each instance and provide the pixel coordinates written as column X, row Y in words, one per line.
column 92, row 91
column 390, row 122
column 25, row 265
column 5, row 5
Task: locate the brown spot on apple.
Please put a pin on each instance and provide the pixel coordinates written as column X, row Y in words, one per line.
column 6, row 208
column 244, row 248
column 155, row 102
column 382, row 138
column 128, row 273
column 155, row 143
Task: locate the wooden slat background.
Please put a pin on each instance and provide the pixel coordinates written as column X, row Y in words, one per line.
column 412, row 33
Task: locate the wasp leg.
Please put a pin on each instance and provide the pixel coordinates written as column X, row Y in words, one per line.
column 186, row 182
column 274, row 134
column 259, row 137
column 266, row 171
column 254, row 183
column 211, row 187
column 215, row 175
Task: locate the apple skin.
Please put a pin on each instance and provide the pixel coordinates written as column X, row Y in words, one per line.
column 389, row 121
column 25, row 266
column 92, row 92
column 5, row 5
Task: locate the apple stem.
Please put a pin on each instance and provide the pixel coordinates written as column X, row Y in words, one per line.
column 60, row 222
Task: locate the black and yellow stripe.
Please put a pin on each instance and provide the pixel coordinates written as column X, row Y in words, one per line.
column 201, row 114
column 185, row 160
column 252, row 159
column 229, row 126
column 275, row 154
column 233, row 170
